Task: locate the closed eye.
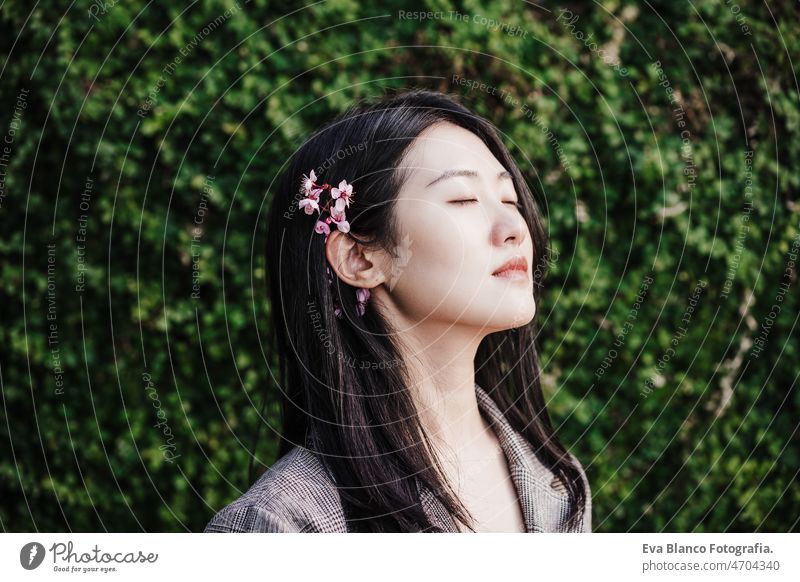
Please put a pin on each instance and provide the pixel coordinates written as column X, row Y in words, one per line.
column 516, row 204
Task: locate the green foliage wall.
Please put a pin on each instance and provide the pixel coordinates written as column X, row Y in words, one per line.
column 144, row 137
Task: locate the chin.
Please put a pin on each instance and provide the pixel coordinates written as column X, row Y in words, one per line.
column 520, row 319
column 510, row 316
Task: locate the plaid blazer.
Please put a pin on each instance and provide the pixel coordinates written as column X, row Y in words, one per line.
column 297, row 494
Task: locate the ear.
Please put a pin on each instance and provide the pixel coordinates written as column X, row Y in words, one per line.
column 354, row 263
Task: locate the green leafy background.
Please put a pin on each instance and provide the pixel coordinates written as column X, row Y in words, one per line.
column 714, row 447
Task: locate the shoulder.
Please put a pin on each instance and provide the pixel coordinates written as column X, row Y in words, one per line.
column 296, row 494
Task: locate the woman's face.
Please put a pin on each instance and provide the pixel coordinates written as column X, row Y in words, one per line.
column 448, row 249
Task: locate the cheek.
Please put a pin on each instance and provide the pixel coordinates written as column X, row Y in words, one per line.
column 436, row 259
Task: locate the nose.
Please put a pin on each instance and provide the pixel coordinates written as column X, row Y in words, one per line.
column 509, row 227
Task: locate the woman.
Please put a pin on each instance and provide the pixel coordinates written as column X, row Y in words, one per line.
column 405, row 257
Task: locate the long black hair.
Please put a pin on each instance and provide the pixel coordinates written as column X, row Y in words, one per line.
column 343, row 383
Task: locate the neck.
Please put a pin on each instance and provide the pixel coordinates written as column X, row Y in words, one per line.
column 442, row 383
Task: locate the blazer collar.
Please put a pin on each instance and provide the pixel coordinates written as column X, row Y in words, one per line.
column 535, row 484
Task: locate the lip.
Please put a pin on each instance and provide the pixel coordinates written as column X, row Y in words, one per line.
column 516, row 267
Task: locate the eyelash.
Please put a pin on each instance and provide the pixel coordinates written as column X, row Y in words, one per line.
column 461, row 202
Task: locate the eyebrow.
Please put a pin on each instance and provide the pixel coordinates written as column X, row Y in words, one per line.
column 468, row 173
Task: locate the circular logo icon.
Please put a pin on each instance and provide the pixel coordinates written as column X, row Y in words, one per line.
column 31, row 555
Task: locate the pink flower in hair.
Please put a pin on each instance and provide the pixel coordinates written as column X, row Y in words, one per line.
column 337, row 214
column 362, row 295
column 336, row 206
column 343, row 193
column 308, row 181
column 322, row 228
column 310, row 205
